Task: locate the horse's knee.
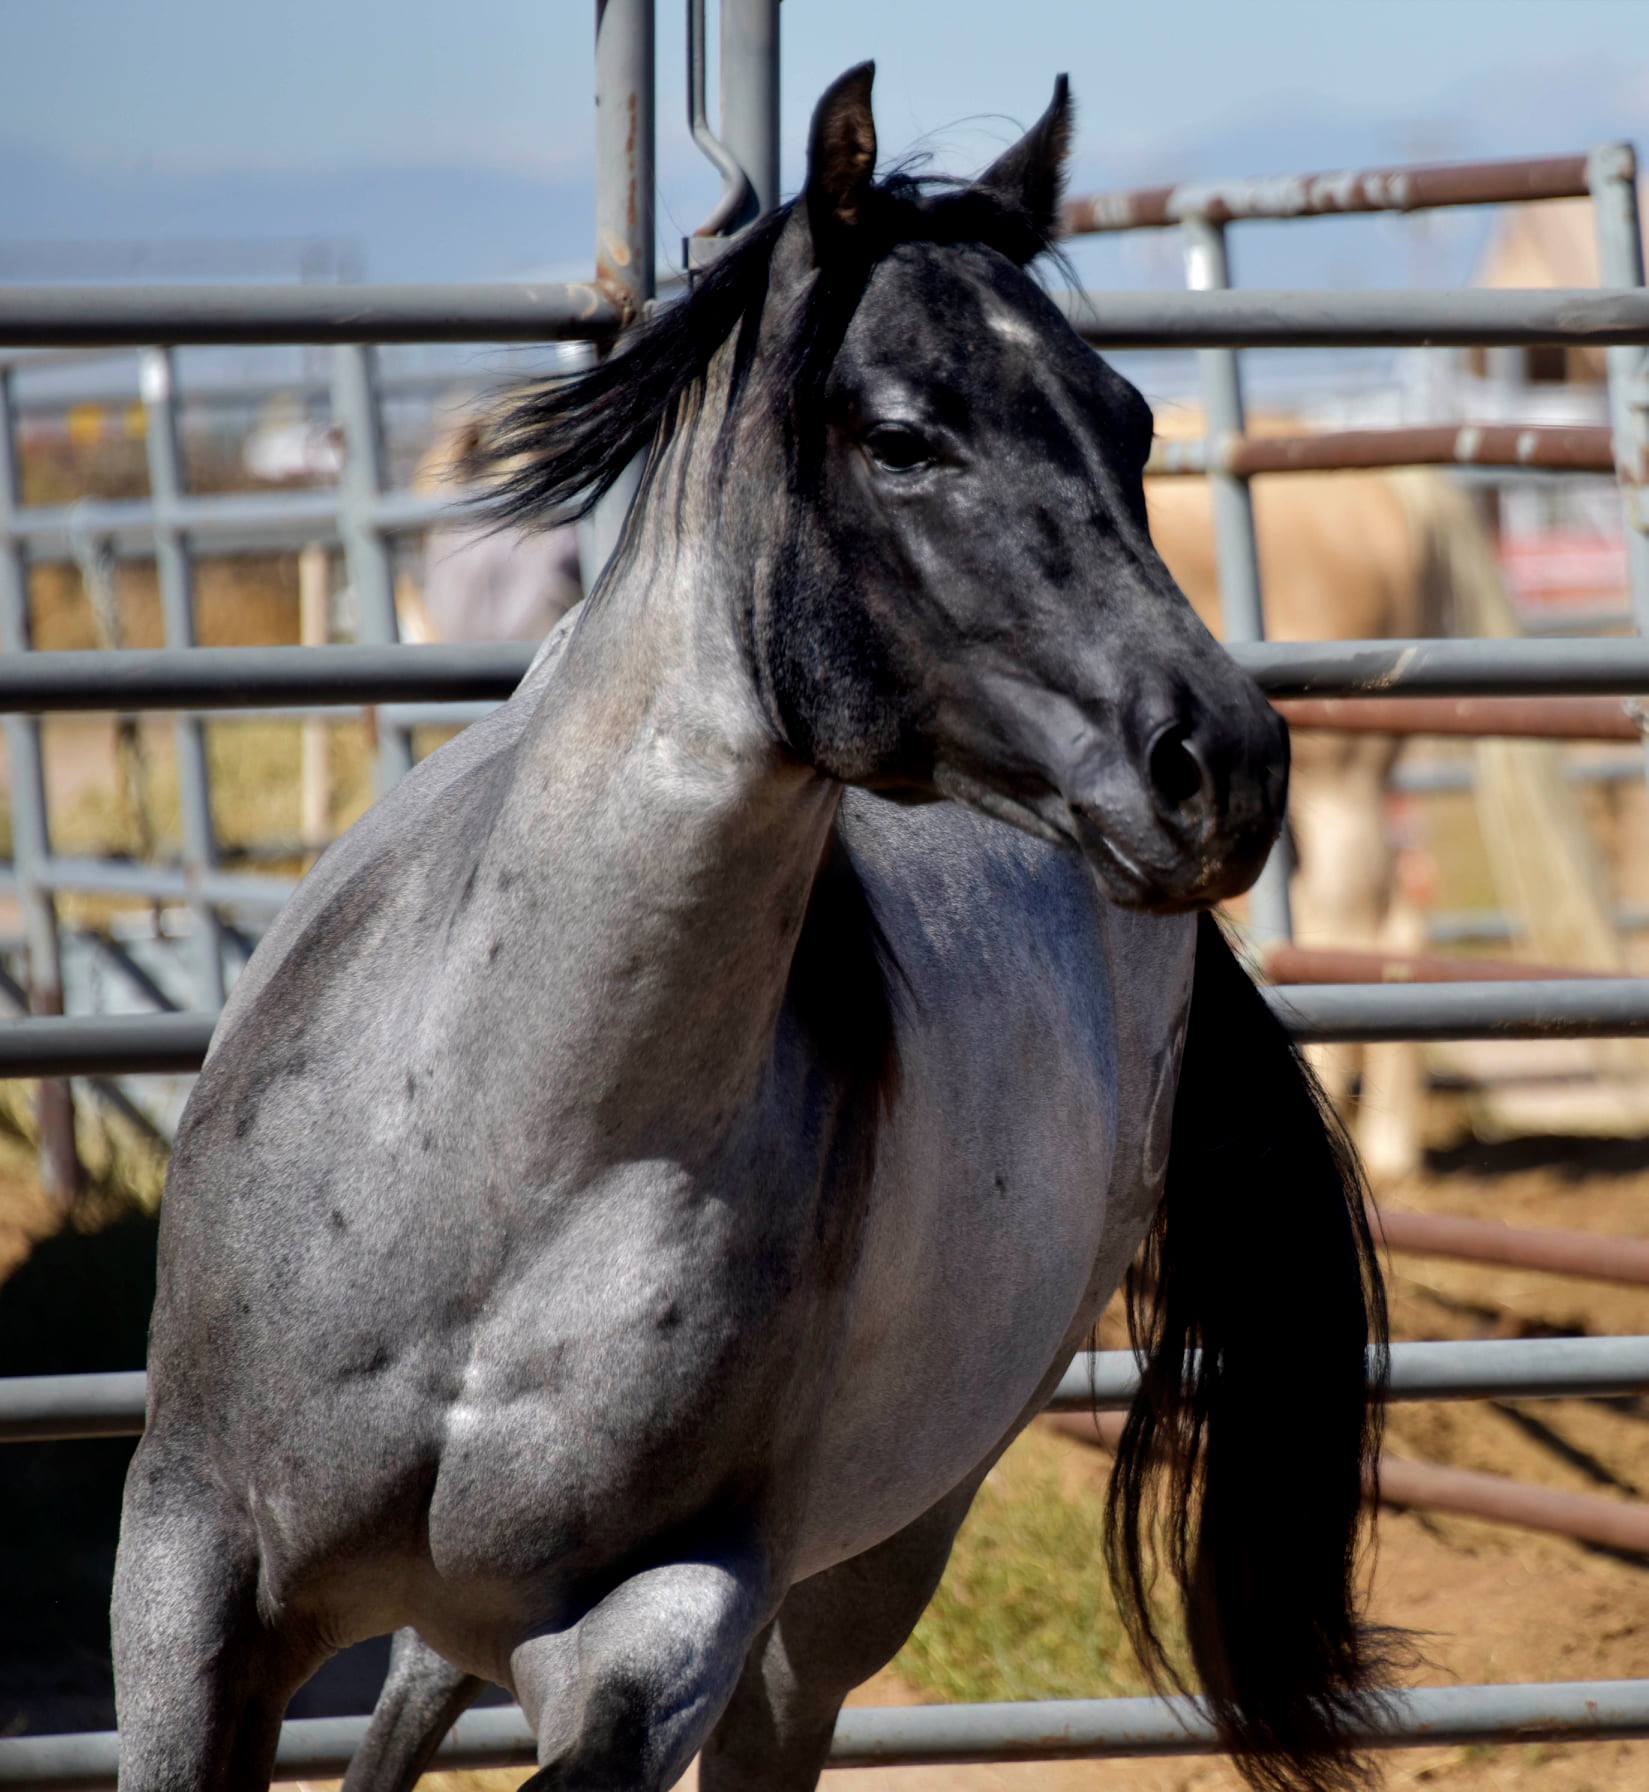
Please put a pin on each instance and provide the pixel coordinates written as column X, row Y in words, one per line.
column 627, row 1696
column 834, row 1630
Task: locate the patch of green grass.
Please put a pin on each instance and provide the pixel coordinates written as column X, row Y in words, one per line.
column 1025, row 1611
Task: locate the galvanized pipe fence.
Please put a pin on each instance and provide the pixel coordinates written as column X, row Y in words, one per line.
column 194, row 682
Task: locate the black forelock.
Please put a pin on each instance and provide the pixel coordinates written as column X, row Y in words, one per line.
column 563, row 444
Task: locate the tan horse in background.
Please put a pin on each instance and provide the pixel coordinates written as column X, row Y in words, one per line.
column 1343, row 556
column 1371, row 555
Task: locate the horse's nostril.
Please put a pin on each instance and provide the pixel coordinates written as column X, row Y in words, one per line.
column 1176, row 770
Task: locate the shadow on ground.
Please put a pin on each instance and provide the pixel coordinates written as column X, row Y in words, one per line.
column 80, row 1303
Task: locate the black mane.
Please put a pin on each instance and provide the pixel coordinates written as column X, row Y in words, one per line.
column 563, row 445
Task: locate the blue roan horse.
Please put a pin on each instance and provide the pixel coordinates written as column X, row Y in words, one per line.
column 665, row 1153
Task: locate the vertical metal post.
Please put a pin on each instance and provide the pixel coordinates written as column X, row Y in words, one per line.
column 624, row 214
column 1612, row 176
column 750, row 96
column 1236, row 546
column 624, row 152
column 366, row 552
column 314, row 620
column 177, row 601
column 60, row 1171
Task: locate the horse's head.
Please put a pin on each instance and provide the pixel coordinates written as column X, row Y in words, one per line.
column 976, row 610
column 922, row 493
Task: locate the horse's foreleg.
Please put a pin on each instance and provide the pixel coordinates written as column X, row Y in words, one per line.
column 625, row 1698
column 201, row 1679
column 832, row 1633
column 1344, row 880
column 423, row 1696
column 1391, row 1114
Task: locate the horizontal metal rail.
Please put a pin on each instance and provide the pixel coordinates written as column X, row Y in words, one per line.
column 136, row 316
column 53, row 1408
column 1448, row 780
column 1547, row 1249
column 258, row 677
column 1569, row 448
column 1506, row 718
column 217, row 393
column 1255, row 318
column 1059, row 1729
column 1418, row 187
column 105, row 1045
column 41, row 1408
column 1579, row 1008
column 1496, row 1368
column 1511, row 667
column 1287, row 963
column 230, row 522
column 1487, row 926
column 1587, row 1517
column 318, row 677
column 165, row 883
column 951, row 1735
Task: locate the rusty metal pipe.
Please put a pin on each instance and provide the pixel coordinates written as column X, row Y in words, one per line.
column 1572, row 448
column 1514, row 718
column 1587, row 1517
column 1623, row 1260
column 1419, row 187
column 1288, row 963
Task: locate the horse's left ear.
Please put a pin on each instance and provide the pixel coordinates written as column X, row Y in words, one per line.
column 1031, row 175
column 841, row 157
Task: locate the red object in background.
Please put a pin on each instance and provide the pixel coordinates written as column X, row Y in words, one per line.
column 1559, row 567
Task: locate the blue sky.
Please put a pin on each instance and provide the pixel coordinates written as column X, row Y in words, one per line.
column 447, row 139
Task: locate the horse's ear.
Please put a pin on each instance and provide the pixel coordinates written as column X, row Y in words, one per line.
column 841, row 156
column 1031, row 175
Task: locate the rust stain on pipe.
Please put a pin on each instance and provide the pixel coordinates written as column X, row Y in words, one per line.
column 633, row 202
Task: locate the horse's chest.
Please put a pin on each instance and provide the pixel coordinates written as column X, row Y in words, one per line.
column 978, row 1271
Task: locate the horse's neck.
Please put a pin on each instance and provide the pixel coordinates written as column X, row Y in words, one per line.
column 670, row 846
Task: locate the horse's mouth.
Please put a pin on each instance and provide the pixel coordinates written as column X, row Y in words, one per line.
column 1120, row 877
column 1200, row 883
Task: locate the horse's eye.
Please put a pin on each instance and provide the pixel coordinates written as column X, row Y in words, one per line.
column 897, row 448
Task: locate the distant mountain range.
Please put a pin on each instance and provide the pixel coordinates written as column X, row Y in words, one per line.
column 440, row 221
column 407, row 222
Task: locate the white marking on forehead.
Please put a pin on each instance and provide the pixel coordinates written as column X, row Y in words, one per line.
column 1010, row 326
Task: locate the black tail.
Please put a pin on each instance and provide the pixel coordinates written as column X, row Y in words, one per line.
column 1248, row 1468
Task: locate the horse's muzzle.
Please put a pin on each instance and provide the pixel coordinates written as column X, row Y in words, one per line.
column 1192, row 819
